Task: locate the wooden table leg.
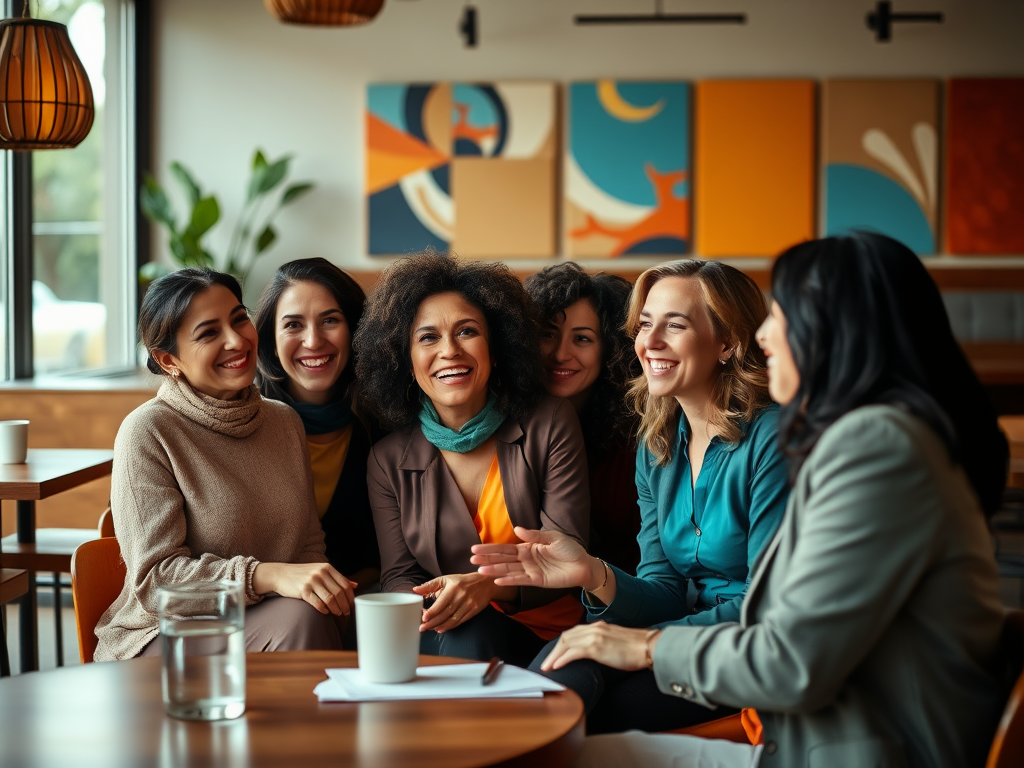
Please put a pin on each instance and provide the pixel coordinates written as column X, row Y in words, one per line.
column 28, row 613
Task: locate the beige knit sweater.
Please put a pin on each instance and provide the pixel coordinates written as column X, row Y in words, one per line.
column 204, row 489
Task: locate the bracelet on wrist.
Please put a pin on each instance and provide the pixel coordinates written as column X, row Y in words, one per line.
column 648, row 656
column 603, row 583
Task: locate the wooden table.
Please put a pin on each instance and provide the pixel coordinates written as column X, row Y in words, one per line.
column 1013, row 426
column 46, row 473
column 111, row 714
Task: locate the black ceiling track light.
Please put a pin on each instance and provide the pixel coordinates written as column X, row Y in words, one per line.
column 660, row 17
column 468, row 26
column 881, row 19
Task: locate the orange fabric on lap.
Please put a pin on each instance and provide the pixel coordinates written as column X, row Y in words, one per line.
column 495, row 527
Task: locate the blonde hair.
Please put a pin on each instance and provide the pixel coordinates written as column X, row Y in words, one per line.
column 736, row 308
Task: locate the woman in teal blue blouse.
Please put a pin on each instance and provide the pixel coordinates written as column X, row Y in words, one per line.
column 711, row 484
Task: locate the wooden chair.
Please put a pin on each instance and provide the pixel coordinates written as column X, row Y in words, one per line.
column 1008, row 745
column 97, row 578
column 106, row 525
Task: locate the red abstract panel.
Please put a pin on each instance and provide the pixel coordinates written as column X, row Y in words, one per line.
column 985, row 166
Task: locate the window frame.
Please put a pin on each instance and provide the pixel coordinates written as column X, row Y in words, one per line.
column 129, row 27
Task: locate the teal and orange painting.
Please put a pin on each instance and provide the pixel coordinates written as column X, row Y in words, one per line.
column 627, row 169
column 880, row 159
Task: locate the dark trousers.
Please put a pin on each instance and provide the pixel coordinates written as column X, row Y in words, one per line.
column 488, row 634
column 618, row 701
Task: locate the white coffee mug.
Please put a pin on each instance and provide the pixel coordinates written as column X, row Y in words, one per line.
column 388, row 631
column 13, row 441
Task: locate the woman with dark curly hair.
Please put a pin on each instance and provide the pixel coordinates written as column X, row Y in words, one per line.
column 588, row 359
column 447, row 356
column 305, row 321
column 711, row 482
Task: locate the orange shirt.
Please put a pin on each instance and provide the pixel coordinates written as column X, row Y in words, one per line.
column 494, row 527
column 751, row 723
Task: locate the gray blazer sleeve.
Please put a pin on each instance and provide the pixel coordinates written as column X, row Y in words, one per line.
column 870, row 510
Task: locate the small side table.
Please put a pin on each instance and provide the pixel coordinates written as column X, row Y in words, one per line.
column 47, row 472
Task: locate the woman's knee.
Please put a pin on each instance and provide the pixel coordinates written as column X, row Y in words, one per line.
column 289, row 624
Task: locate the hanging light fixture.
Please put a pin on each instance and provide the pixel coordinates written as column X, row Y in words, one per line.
column 325, row 13
column 45, row 95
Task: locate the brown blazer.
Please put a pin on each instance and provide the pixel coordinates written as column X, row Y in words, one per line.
column 423, row 527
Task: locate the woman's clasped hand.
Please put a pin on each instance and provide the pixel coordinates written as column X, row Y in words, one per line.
column 457, row 598
column 319, row 584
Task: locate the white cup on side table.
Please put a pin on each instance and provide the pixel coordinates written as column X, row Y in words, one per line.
column 13, row 441
column 388, row 632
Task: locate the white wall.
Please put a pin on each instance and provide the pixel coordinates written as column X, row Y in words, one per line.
column 229, row 78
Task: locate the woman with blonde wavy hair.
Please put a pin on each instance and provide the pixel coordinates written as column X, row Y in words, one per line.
column 712, row 490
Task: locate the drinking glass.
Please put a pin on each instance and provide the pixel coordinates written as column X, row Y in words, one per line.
column 202, row 625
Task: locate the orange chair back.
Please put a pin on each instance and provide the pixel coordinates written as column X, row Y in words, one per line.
column 97, row 578
column 1008, row 746
column 106, row 524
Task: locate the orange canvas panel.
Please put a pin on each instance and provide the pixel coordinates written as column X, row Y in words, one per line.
column 754, row 166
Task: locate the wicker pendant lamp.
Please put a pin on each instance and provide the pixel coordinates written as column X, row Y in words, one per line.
column 325, row 13
column 45, row 95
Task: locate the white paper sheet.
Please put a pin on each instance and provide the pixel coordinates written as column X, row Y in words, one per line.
column 450, row 681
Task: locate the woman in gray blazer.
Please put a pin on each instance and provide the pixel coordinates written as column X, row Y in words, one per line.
column 870, row 632
column 448, row 357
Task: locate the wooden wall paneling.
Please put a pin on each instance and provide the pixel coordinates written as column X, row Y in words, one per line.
column 69, row 419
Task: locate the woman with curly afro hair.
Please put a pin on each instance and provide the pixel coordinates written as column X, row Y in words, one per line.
column 447, row 356
column 588, row 359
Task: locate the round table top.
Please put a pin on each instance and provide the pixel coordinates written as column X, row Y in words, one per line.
column 112, row 714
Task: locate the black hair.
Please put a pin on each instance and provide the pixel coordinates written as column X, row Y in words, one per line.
column 384, row 365
column 866, row 324
column 346, row 291
column 166, row 302
column 607, row 419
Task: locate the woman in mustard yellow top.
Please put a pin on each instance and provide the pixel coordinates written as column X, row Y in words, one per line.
column 306, row 318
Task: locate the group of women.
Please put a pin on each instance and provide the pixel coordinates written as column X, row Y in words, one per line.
column 591, row 478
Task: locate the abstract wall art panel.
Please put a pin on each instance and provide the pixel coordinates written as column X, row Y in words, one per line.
column 627, row 169
column 755, row 161
column 880, row 158
column 504, row 169
column 408, row 159
column 469, row 167
column 985, row 166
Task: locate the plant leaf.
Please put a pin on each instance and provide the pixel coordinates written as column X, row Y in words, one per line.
column 275, row 174
column 152, row 270
column 295, row 191
column 258, row 159
column 265, row 240
column 155, row 205
column 204, row 215
column 192, row 191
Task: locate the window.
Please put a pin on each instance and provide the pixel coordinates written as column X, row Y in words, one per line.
column 83, row 245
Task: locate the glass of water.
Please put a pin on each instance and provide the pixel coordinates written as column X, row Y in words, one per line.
column 203, row 632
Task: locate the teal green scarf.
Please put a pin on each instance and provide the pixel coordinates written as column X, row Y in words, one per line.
column 473, row 434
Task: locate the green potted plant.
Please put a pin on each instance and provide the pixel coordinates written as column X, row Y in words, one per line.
column 253, row 234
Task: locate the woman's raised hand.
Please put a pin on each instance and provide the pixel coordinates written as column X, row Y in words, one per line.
column 544, row 559
column 319, row 584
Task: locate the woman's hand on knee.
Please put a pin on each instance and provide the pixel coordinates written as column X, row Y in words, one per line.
column 458, row 597
column 544, row 559
column 319, row 584
column 608, row 644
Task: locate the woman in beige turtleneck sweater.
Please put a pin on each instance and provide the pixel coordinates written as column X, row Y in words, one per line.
column 211, row 481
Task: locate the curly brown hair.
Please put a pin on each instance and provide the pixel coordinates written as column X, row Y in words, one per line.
column 737, row 308
column 384, row 378
column 607, row 420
